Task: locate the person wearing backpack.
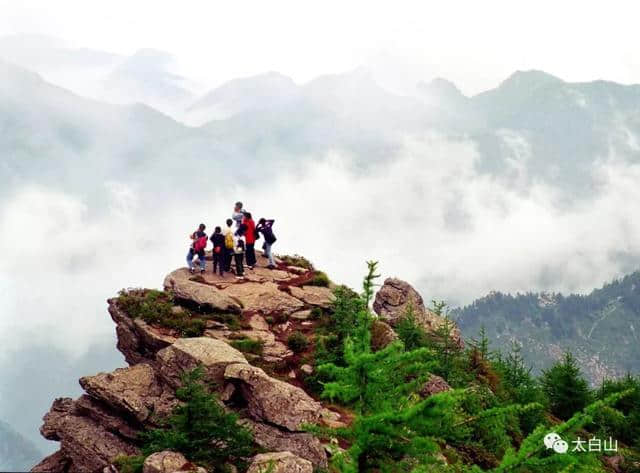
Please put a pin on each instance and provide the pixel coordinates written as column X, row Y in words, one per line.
column 228, row 245
column 197, row 247
column 239, row 249
column 265, row 227
column 250, row 236
column 219, row 250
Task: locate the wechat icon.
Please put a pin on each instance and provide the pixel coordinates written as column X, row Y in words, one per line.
column 555, row 442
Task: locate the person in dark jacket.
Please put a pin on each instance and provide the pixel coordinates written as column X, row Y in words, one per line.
column 218, row 251
column 250, row 236
column 266, row 228
column 197, row 248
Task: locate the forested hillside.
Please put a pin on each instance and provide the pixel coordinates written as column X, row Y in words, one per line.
column 600, row 328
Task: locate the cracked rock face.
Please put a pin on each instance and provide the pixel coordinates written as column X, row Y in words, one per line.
column 272, row 400
column 134, row 390
column 180, row 283
column 105, row 422
column 188, row 353
column 396, row 297
column 302, row 444
column 85, row 444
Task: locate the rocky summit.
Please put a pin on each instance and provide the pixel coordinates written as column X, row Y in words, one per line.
column 240, row 333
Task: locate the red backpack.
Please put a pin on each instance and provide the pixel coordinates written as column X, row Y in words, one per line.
column 200, row 244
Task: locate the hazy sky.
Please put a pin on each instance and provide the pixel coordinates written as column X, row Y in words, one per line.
column 475, row 44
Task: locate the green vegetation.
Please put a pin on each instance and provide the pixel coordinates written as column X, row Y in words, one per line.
column 129, row 463
column 297, row 342
column 296, row 260
column 319, row 279
column 157, row 308
column 201, row 429
column 248, row 345
column 586, row 325
column 412, row 335
column 565, row 388
column 493, row 419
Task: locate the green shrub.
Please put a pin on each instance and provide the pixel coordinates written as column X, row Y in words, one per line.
column 157, row 308
column 412, row 335
column 316, row 313
column 201, row 429
column 320, row 279
column 248, row 345
column 296, row 260
column 297, row 342
column 129, row 463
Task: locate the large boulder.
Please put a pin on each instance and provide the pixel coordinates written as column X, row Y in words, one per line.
column 134, row 390
column 188, row 353
column 169, row 462
column 279, row 462
column 302, row 444
column 164, row 462
column 264, row 298
column 396, row 297
column 85, row 445
column 207, row 295
column 274, row 401
column 101, row 413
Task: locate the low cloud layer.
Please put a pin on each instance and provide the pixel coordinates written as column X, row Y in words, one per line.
column 428, row 216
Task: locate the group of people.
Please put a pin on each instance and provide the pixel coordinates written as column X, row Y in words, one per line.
column 236, row 242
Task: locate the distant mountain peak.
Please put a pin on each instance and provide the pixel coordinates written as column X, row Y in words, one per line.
column 529, row 78
column 440, row 87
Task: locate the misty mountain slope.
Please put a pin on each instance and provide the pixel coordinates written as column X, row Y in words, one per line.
column 146, row 77
column 565, row 127
column 602, row 328
column 343, row 112
column 263, row 91
column 16, row 452
column 52, row 136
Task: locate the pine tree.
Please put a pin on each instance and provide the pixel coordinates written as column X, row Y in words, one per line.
column 532, row 455
column 201, row 429
column 565, row 387
column 412, row 335
column 449, row 356
column 374, row 381
column 395, row 429
column 519, row 386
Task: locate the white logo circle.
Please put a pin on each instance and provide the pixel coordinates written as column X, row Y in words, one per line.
column 560, row 446
column 550, row 439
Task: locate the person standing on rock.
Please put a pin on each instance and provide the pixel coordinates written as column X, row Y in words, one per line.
column 218, row 251
column 238, row 214
column 228, row 245
column 250, row 236
column 197, row 247
column 239, row 249
column 265, row 227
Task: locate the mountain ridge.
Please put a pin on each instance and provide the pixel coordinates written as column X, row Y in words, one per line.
column 546, row 324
